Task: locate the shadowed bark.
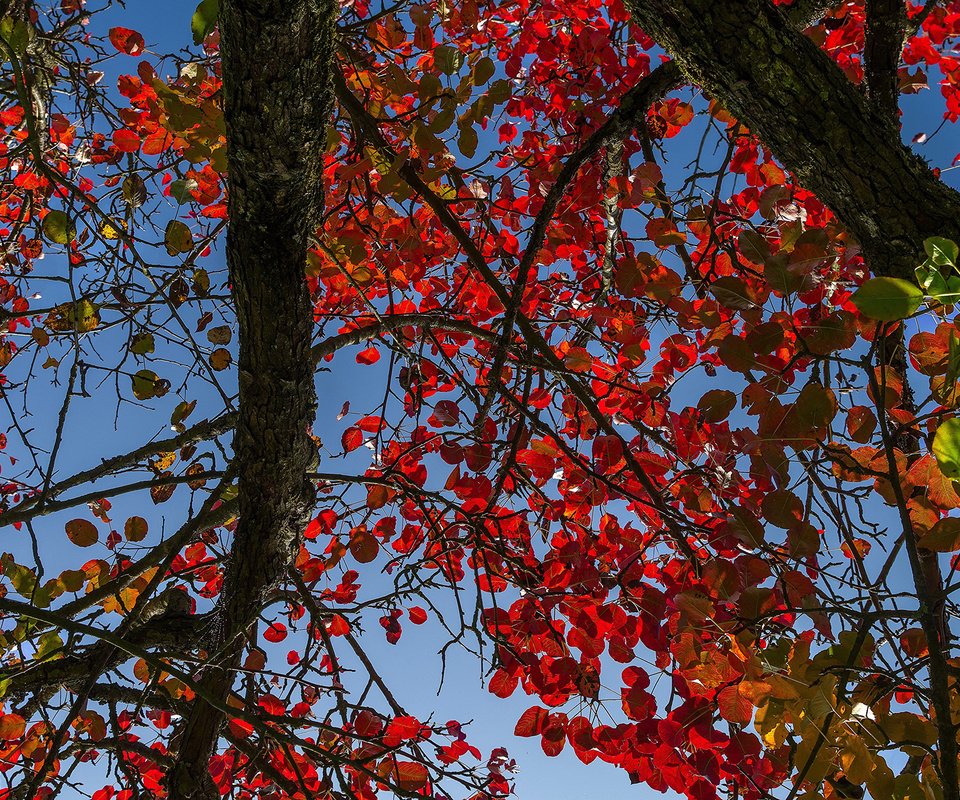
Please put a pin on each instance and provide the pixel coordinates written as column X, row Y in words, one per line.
column 277, row 60
column 774, row 79
column 886, row 29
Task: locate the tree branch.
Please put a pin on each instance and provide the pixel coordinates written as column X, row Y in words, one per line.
column 774, row 79
column 886, row 29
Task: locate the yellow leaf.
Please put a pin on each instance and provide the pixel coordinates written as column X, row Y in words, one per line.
column 909, row 728
column 111, row 229
column 856, row 760
column 81, row 316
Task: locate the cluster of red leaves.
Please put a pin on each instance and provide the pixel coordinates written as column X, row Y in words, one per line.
column 602, row 557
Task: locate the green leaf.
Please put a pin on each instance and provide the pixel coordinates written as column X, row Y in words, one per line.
column 944, row 537
column 17, row 34
column 82, row 316
column 204, row 19
column 946, row 447
column 448, row 59
column 483, row 71
column 929, row 277
column 134, row 191
column 180, row 413
column 177, row 238
column 142, row 344
column 887, row 299
column 953, row 360
column 467, row 141
column 180, row 190
column 59, row 228
column 48, row 644
column 201, row 282
column 500, row 91
column 144, row 384
column 942, row 251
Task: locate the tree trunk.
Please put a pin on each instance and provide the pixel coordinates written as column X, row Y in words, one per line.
column 817, row 123
column 278, row 58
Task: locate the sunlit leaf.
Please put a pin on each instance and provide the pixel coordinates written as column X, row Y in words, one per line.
column 59, row 228
column 887, row 299
column 81, row 532
column 946, row 447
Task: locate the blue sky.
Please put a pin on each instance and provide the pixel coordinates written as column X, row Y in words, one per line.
column 412, row 667
column 413, row 662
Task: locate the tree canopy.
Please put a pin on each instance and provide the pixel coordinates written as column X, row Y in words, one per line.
column 644, row 314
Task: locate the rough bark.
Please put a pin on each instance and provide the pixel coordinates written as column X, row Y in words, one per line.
column 775, row 80
column 277, row 61
column 807, row 12
column 886, row 29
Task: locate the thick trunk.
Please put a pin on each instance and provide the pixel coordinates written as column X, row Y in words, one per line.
column 820, row 126
column 277, row 62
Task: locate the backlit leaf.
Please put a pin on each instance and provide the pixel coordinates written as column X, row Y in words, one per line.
column 59, row 228
column 204, row 19
column 81, row 532
column 946, row 447
column 887, row 299
column 177, row 238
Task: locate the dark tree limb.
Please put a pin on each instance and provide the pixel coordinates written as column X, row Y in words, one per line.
column 778, row 82
column 37, row 504
column 277, row 58
column 804, row 13
column 886, row 30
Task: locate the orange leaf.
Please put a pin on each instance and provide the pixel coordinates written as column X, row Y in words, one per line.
column 81, row 532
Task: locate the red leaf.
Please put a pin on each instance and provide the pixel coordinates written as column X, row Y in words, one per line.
column 580, row 736
column 352, row 438
column 272, row 705
column 734, row 707
column 338, row 625
column 503, row 684
column 126, row 140
column 369, row 356
column 404, row 728
column 417, row 615
column 445, row 413
column 370, row 424
column 363, row 545
column 554, row 735
column 531, row 722
column 410, row 776
column 367, row 724
column 914, row 643
column 275, row 632
column 127, row 41
column 240, row 728
column 11, row 727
